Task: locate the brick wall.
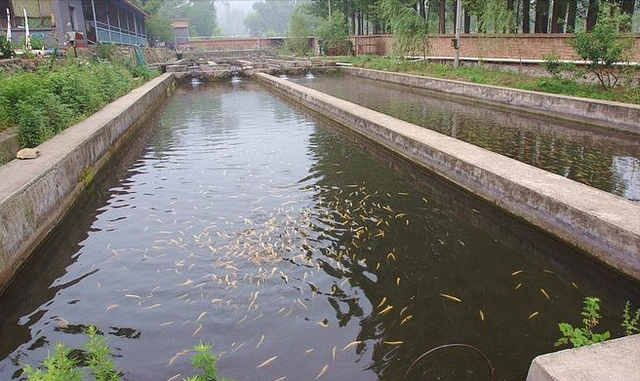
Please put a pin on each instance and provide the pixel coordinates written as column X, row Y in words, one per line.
column 513, row 46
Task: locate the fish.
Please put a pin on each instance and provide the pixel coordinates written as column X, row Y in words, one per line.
column 481, row 315
column 351, row 344
column 406, row 319
column 267, row 362
column 112, row 307
column 393, row 342
column 518, row 286
column 382, row 302
column 544, row 293
column 197, row 330
column 451, row 297
column 309, row 350
column 533, row 315
column 323, row 371
column 174, row 377
column 384, row 311
column 517, row 272
column 260, row 342
column 201, row 316
column 333, row 353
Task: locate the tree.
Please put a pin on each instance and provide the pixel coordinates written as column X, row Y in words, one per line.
column 558, row 15
column 269, row 15
column 299, row 31
column 334, row 35
column 571, row 15
column 159, row 29
column 442, row 17
column 408, row 27
column 603, row 46
column 542, row 16
column 526, row 18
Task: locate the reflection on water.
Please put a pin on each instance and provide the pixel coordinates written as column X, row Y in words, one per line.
column 604, row 159
column 237, row 219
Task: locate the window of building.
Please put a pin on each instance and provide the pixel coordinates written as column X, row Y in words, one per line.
column 39, row 12
column 101, row 11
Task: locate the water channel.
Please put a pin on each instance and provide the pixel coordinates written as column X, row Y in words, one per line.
column 601, row 158
column 236, row 218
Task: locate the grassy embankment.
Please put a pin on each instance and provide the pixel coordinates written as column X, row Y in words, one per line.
column 63, row 92
column 566, row 86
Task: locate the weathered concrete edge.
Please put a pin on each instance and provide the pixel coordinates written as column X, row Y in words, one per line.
column 601, row 113
column 596, row 222
column 36, row 194
column 613, row 360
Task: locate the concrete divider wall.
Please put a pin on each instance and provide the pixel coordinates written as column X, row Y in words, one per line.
column 602, row 225
column 606, row 114
column 36, row 194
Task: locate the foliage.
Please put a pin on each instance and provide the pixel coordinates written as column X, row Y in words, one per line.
column 37, row 42
column 630, row 320
column 159, row 29
column 604, row 46
column 61, row 365
column 6, row 47
column 554, row 66
column 298, row 36
column 334, row 35
column 58, row 366
column 269, row 16
column 494, row 16
column 43, row 103
column 408, row 27
column 579, row 337
column 204, row 361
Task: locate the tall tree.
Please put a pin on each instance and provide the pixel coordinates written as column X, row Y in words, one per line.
column 571, row 16
column 542, row 16
column 526, row 19
column 442, row 16
column 558, row 16
column 592, row 14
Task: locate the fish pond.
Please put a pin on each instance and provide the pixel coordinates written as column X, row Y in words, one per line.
column 604, row 159
column 299, row 251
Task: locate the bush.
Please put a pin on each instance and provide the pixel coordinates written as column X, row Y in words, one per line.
column 298, row 37
column 334, row 35
column 37, row 42
column 6, row 47
column 554, row 66
column 44, row 103
column 603, row 47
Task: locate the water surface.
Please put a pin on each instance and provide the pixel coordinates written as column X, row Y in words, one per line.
column 604, row 159
column 235, row 218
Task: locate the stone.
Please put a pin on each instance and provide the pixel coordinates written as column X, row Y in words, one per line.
column 28, row 153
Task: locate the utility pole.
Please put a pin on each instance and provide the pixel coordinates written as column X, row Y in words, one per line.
column 456, row 41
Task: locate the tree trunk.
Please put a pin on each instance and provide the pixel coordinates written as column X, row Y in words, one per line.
column 526, row 7
column 542, row 16
column 592, row 14
column 442, row 17
column 510, row 7
column 455, row 15
column 467, row 22
column 558, row 16
column 571, row 17
column 423, row 11
column 353, row 21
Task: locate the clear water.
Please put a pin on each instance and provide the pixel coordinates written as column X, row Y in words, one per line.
column 602, row 158
column 235, row 218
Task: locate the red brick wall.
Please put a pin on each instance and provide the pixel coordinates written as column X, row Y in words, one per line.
column 514, row 46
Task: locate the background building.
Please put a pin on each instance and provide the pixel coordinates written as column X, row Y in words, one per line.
column 99, row 21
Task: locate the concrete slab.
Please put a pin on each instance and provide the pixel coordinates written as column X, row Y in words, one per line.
column 614, row 360
column 604, row 226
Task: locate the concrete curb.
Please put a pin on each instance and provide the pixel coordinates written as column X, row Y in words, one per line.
column 36, row 194
column 605, row 114
column 613, row 360
column 601, row 224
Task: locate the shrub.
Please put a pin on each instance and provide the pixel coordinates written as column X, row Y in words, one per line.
column 37, row 42
column 603, row 47
column 554, row 66
column 579, row 337
column 334, row 35
column 298, row 37
column 410, row 30
column 6, row 47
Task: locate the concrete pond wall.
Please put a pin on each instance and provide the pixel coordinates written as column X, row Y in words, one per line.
column 604, row 226
column 605, row 114
column 36, row 194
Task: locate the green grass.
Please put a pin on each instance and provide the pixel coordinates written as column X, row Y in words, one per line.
column 475, row 74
